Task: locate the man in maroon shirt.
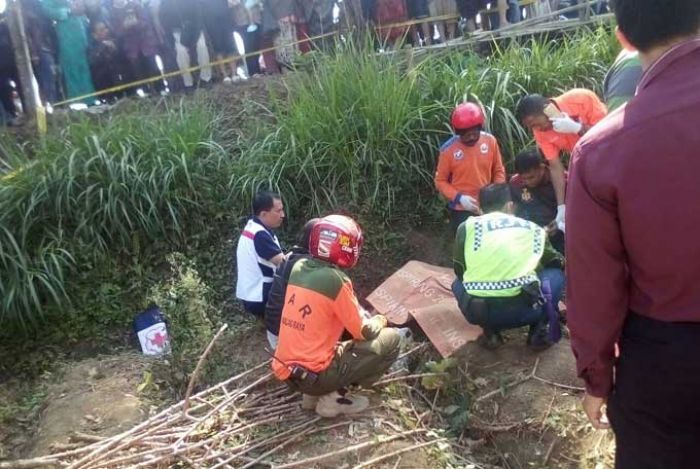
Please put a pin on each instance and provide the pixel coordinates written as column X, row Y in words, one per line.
column 633, row 247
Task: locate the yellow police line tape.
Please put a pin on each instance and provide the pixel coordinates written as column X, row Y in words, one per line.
column 236, row 58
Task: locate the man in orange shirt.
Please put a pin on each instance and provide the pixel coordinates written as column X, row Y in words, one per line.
column 319, row 305
column 558, row 124
column 468, row 161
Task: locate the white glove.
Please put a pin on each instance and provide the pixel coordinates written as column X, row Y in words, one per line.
column 468, row 203
column 566, row 125
column 561, row 215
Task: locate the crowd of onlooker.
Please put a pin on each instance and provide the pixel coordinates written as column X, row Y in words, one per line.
column 79, row 46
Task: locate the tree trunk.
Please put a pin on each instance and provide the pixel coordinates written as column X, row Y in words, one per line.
column 28, row 87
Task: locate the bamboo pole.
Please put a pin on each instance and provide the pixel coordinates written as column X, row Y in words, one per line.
column 27, row 84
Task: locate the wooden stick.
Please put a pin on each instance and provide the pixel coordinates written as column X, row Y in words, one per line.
column 277, row 448
column 79, row 436
column 350, row 449
column 549, row 451
column 546, row 414
column 535, row 20
column 513, row 384
column 28, row 463
column 267, row 441
column 559, row 385
column 403, row 378
column 432, row 408
column 227, row 402
column 396, row 453
column 413, row 350
column 195, row 374
column 240, row 430
column 494, row 428
column 115, row 440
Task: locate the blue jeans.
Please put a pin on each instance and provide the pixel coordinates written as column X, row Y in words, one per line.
column 498, row 314
column 513, row 14
column 556, row 282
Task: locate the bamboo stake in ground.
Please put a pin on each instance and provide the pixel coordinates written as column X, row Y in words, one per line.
column 195, row 374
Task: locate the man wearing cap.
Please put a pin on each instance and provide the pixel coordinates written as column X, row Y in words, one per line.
column 468, row 161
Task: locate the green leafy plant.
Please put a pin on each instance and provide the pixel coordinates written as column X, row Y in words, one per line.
column 184, row 300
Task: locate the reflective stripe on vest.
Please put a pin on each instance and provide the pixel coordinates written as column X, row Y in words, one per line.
column 501, row 253
column 501, row 285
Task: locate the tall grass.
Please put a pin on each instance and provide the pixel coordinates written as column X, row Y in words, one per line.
column 99, row 187
column 358, row 131
column 353, row 131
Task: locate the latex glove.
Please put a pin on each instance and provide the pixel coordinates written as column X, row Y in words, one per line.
column 468, row 203
column 566, row 125
column 561, row 217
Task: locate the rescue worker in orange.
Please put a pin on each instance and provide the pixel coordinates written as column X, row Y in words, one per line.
column 558, row 124
column 319, row 305
column 468, row 161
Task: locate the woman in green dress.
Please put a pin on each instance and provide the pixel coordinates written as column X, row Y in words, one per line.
column 71, row 30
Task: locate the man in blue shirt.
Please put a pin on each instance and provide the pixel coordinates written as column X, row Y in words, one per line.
column 259, row 253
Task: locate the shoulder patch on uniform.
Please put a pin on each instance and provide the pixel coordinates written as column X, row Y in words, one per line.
column 484, row 148
column 458, row 155
column 449, row 142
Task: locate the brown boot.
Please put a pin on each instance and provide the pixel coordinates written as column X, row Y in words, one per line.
column 334, row 404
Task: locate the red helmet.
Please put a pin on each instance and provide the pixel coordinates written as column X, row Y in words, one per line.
column 467, row 115
column 336, row 239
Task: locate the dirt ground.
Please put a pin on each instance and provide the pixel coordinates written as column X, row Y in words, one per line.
column 96, row 396
column 536, row 423
column 516, row 419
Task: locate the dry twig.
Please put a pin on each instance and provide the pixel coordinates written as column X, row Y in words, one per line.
column 372, row 461
column 350, row 449
column 403, row 378
column 513, row 384
column 195, row 374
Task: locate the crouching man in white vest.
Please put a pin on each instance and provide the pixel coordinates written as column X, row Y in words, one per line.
column 259, row 252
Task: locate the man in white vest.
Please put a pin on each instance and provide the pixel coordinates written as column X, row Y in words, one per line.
column 259, row 252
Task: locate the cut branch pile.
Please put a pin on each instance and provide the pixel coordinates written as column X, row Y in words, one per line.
column 241, row 422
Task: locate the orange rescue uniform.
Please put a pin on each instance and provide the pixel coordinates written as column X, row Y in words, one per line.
column 464, row 170
column 319, row 304
column 581, row 105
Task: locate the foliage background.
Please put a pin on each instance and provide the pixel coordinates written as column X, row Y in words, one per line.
column 89, row 215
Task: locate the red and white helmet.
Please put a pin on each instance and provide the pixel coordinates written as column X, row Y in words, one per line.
column 467, row 115
column 336, row 239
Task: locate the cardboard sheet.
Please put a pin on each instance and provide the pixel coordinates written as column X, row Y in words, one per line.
column 423, row 292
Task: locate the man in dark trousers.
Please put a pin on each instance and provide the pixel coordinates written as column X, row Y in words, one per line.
column 632, row 247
